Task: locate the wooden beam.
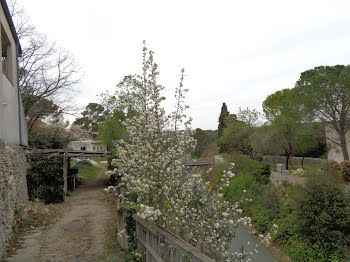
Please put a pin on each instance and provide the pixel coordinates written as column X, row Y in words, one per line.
column 185, row 248
column 65, row 171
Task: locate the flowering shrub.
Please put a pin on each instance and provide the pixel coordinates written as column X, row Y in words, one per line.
column 345, row 171
column 333, row 165
column 153, row 168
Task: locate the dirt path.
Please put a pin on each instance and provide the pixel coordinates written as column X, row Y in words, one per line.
column 83, row 233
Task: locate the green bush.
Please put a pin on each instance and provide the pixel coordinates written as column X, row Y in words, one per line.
column 322, row 210
column 300, row 250
column 45, row 179
column 244, row 164
column 262, row 222
column 234, row 192
column 263, row 173
column 270, row 200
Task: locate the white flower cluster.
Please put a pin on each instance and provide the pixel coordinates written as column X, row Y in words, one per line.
column 226, row 177
column 110, row 189
column 153, row 164
column 148, row 213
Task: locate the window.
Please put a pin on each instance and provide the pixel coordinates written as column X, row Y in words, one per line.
column 6, row 54
column 83, row 148
column 94, row 149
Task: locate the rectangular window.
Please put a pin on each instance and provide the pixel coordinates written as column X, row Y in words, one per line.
column 6, row 54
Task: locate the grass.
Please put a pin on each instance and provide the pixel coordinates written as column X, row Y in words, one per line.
column 86, row 171
column 114, row 251
column 100, row 159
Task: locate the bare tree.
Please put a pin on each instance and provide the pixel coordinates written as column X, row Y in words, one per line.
column 48, row 75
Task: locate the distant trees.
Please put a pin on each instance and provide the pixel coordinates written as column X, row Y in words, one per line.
column 92, row 117
column 223, row 115
column 324, row 95
column 202, row 139
column 112, row 128
column 288, row 130
column 237, row 135
column 104, row 120
column 281, row 111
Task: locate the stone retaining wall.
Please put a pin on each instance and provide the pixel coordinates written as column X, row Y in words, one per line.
column 13, row 188
column 294, row 161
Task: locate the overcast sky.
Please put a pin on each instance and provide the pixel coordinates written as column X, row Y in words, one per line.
column 236, row 52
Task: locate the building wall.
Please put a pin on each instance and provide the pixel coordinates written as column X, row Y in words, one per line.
column 9, row 113
column 13, row 188
column 334, row 151
column 90, row 145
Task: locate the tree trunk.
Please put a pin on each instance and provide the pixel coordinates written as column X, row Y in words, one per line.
column 287, row 161
column 343, row 145
column 302, row 162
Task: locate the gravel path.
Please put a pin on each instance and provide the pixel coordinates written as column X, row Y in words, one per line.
column 83, row 233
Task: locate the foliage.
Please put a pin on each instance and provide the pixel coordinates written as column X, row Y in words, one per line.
column 130, row 228
column 266, row 140
column 303, row 250
column 45, row 175
column 322, row 210
column 243, row 164
column 282, row 111
column 345, row 171
column 235, row 191
column 203, row 141
column 324, row 94
column 86, row 171
column 237, row 135
column 222, row 118
column 305, row 143
column 45, row 179
column 211, row 149
column 112, row 128
column 50, row 136
column 263, row 173
column 92, row 117
column 132, row 241
column 154, row 169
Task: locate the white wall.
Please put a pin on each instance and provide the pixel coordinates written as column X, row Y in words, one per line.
column 9, row 117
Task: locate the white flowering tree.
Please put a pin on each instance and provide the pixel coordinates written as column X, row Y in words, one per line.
column 153, row 165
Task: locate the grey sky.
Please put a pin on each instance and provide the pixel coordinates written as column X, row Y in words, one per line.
column 236, row 52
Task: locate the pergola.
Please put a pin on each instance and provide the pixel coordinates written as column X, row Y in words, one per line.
column 65, row 154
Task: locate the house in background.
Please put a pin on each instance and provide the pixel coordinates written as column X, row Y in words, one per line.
column 13, row 125
column 90, row 145
column 333, row 144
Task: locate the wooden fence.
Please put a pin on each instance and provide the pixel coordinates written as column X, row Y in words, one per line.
column 159, row 245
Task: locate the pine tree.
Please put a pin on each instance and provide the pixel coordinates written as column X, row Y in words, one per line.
column 224, row 113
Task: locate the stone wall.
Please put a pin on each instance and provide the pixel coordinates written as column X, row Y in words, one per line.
column 294, row 161
column 13, row 188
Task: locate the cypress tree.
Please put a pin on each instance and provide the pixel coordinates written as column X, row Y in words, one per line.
column 224, row 113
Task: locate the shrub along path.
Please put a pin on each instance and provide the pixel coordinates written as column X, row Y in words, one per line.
column 85, row 231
